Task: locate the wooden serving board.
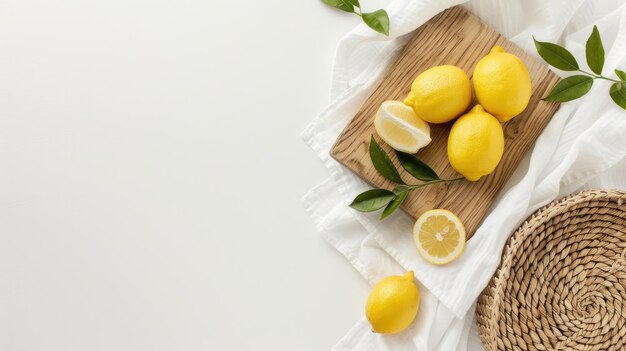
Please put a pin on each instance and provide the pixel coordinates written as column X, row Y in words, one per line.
column 458, row 38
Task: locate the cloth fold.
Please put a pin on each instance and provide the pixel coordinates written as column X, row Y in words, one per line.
column 581, row 145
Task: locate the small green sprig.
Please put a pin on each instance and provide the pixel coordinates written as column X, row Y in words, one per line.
column 377, row 20
column 376, row 199
column 576, row 86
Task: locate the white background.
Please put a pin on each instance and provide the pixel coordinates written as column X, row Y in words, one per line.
column 151, row 171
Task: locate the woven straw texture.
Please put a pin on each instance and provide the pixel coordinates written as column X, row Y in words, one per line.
column 561, row 284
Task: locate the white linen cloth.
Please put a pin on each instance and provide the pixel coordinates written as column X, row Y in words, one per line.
column 582, row 146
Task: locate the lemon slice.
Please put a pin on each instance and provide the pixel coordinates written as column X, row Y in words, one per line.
column 439, row 236
column 397, row 124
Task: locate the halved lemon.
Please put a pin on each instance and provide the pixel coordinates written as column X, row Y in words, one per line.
column 439, row 236
column 398, row 125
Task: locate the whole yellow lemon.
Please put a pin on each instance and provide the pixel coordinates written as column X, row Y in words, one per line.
column 475, row 144
column 440, row 94
column 393, row 304
column 502, row 84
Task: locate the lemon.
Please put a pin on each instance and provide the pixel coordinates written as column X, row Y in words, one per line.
column 440, row 94
column 502, row 84
column 397, row 124
column 393, row 304
column 439, row 236
column 475, row 144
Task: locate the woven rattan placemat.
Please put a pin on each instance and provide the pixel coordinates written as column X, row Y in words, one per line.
column 561, row 284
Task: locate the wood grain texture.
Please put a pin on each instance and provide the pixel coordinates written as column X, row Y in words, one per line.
column 458, row 38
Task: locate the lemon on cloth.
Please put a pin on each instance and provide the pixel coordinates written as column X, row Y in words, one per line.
column 439, row 236
column 392, row 304
column 502, row 84
column 440, row 94
column 397, row 124
column 475, row 144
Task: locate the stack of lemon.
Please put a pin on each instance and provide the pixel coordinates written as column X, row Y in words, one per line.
column 443, row 93
column 475, row 146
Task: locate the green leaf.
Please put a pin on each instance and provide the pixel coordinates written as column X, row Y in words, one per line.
column 416, row 167
column 400, row 189
column 618, row 94
column 620, row 74
column 556, row 55
column 595, row 52
column 343, row 5
column 570, row 88
column 383, row 163
column 355, row 3
column 372, row 200
column 394, row 204
column 378, row 21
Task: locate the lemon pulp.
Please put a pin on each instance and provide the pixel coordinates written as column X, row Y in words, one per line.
column 397, row 124
column 439, row 236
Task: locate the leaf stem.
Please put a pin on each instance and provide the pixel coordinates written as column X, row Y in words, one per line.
column 598, row 76
column 416, row 186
